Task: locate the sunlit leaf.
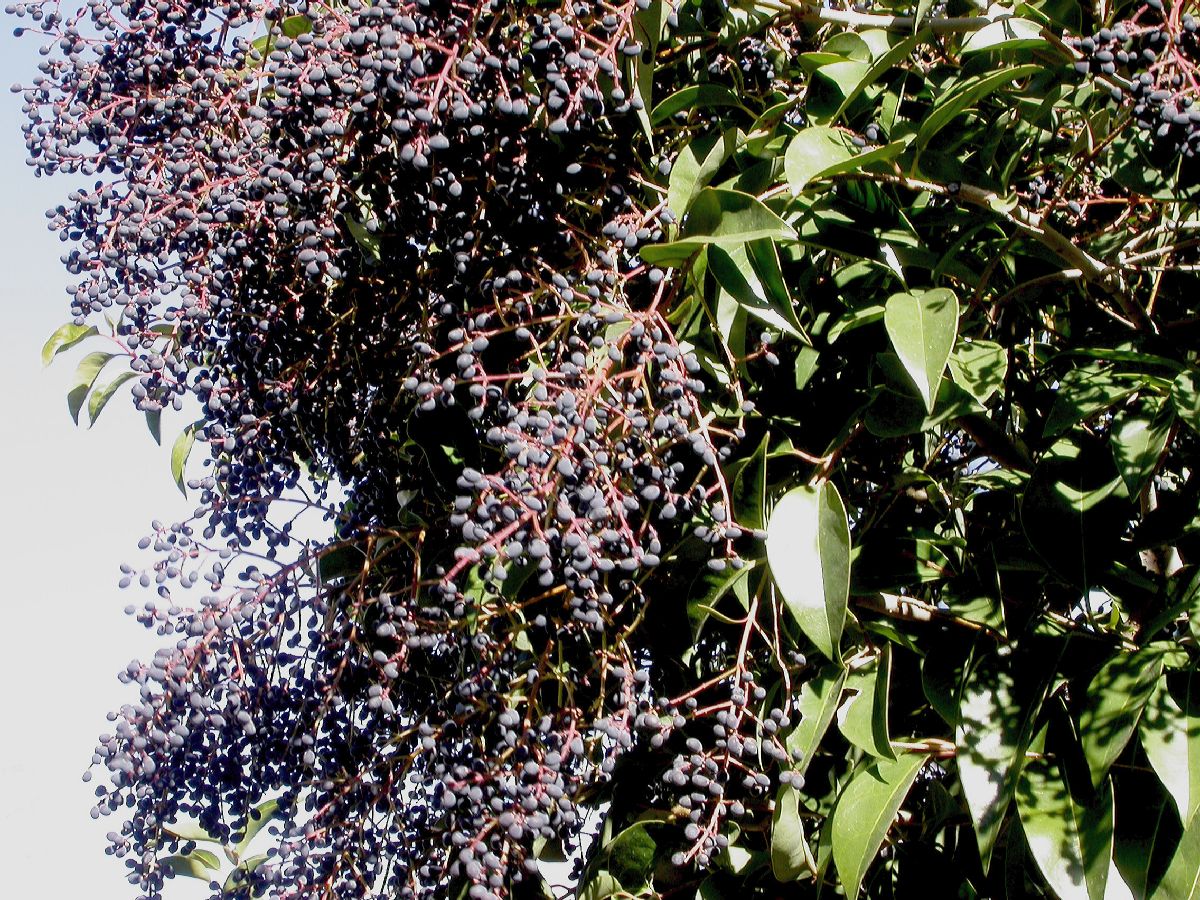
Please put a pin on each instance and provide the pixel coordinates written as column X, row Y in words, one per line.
column 808, row 548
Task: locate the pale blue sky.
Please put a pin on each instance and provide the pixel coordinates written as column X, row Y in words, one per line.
column 75, row 503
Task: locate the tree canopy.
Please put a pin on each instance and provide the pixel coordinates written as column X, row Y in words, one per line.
column 764, row 437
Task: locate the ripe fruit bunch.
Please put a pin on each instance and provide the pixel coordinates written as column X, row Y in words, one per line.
column 392, row 242
column 1150, row 62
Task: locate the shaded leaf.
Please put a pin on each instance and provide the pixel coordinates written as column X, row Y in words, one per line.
column 1170, row 735
column 1113, row 705
column 1084, row 392
column 863, row 719
column 695, row 96
column 979, row 367
column 808, row 548
column 954, row 103
column 818, row 702
column 1070, row 840
column 722, row 217
column 991, row 739
column 1181, row 881
column 1139, row 437
column 790, row 855
column 1185, row 394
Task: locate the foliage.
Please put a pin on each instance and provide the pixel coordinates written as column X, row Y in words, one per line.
column 768, row 430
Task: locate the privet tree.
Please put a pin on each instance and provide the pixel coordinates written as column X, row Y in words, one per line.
column 767, row 431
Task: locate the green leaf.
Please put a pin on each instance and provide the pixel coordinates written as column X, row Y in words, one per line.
column 863, row 718
column 811, row 152
column 65, row 338
column 832, row 87
column 100, row 397
column 190, row 831
column 630, row 856
column 367, row 242
column 193, row 865
column 722, row 217
column 1170, row 736
column 737, row 271
column 808, row 548
column 819, row 699
column 154, row 423
column 1005, row 34
column 1139, row 437
column 1181, row 881
column 880, row 67
column 865, row 811
column 1113, row 705
column 991, row 737
column 1070, row 840
column 86, row 374
column 695, row 96
column 953, row 103
column 260, row 817
column 820, row 152
column 294, row 26
column 180, row 451
column 695, row 166
column 979, row 367
column 1185, row 394
column 790, row 855
column 922, row 328
column 601, row 886
column 1084, row 392
column 238, row 876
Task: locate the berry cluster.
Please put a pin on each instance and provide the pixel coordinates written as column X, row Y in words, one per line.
column 365, row 237
column 1150, row 61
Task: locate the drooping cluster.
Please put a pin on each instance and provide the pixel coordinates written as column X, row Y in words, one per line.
column 1150, row 63
column 390, row 241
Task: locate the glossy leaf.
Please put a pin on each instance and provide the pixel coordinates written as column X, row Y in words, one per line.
column 1083, row 393
column 922, row 328
column 736, row 271
column 790, row 854
column 180, row 451
column 1070, row 840
column 991, row 740
column 1139, row 437
column 1113, row 705
column 817, row 704
column 1005, row 34
column 865, row 812
column 979, row 367
column 808, row 548
column 694, row 96
column 1170, row 735
column 695, row 166
column 863, row 718
column 722, row 217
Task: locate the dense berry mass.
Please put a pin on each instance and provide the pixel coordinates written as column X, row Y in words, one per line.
column 365, row 237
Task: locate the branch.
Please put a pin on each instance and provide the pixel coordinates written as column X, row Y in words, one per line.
column 811, row 12
column 1032, row 225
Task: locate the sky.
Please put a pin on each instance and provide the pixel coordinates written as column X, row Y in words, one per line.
column 76, row 501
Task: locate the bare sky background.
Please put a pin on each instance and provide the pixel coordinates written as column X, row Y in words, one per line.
column 75, row 502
